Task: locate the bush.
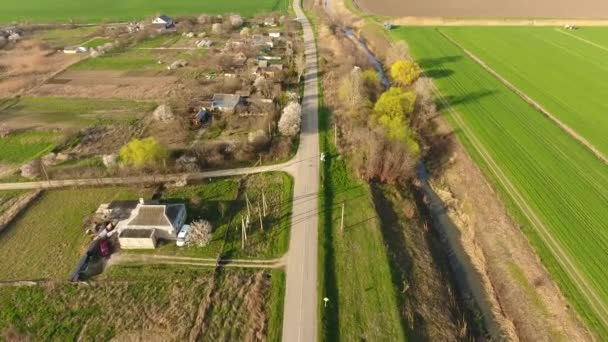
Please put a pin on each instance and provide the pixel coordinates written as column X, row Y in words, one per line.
column 291, row 119
column 144, row 152
column 199, row 234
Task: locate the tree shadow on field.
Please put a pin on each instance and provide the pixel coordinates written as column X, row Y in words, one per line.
column 431, row 63
column 438, row 73
column 455, row 100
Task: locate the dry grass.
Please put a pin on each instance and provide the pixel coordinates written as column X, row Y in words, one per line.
column 144, row 303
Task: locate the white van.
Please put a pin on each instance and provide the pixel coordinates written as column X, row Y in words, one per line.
column 181, row 236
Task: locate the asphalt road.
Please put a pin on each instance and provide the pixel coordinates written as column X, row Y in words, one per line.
column 301, row 302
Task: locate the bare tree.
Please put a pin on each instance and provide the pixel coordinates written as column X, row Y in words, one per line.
column 199, row 234
column 397, row 51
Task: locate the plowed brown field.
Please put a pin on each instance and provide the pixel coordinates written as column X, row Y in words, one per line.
column 582, row 9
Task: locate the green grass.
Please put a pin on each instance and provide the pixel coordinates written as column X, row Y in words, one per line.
column 205, row 201
column 42, row 11
column 564, row 74
column 46, row 240
column 62, row 37
column 73, row 112
column 120, row 61
column 562, row 182
column 20, row 147
column 95, row 42
column 175, row 300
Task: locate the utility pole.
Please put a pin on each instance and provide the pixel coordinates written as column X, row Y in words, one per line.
column 264, row 202
column 342, row 219
column 248, row 209
column 336, row 135
column 260, row 213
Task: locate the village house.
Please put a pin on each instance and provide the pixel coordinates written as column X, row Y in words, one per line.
column 259, row 40
column 164, row 20
column 274, row 34
column 150, row 221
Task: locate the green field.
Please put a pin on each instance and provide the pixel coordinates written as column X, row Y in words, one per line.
column 143, row 303
column 23, row 146
column 46, row 241
column 69, row 112
column 559, row 181
column 222, row 202
column 42, row 11
column 553, row 66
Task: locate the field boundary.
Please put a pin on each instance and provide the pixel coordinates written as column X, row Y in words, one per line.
column 583, row 40
column 571, row 132
column 597, row 305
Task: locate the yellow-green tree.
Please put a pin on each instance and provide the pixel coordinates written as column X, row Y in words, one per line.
column 143, row 152
column 392, row 111
column 405, row 72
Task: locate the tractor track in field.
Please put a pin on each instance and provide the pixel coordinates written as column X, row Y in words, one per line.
column 597, row 153
column 582, row 284
column 582, row 39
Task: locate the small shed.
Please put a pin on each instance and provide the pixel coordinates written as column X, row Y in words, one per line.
column 137, row 239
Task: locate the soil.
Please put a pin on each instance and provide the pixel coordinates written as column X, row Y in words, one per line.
column 525, row 292
column 584, row 9
column 28, row 64
column 108, row 84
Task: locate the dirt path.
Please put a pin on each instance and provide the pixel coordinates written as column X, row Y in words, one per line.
column 598, row 154
column 126, row 258
column 583, row 285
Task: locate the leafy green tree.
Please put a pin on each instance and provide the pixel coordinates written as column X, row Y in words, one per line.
column 392, row 111
column 405, row 72
column 143, row 152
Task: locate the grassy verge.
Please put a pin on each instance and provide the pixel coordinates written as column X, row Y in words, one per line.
column 47, row 239
column 8, row 197
column 354, row 272
column 95, row 42
column 62, row 37
column 223, row 202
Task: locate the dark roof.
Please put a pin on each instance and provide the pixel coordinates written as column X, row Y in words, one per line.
column 165, row 18
column 226, row 100
column 150, row 216
column 129, row 204
column 136, row 233
column 157, row 215
column 172, row 211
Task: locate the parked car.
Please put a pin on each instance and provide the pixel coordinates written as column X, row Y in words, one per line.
column 181, row 236
column 104, row 247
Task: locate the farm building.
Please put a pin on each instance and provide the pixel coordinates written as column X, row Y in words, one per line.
column 226, row 102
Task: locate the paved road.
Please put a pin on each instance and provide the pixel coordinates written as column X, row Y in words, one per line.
column 300, row 313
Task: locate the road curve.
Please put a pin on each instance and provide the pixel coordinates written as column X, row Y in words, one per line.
column 300, row 313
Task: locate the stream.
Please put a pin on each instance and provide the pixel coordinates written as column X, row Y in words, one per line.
column 468, row 281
